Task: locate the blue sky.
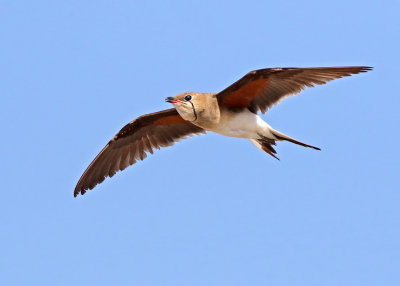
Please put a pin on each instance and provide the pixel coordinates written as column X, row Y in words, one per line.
column 211, row 210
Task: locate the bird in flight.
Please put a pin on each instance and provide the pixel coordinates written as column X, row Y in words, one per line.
column 231, row 112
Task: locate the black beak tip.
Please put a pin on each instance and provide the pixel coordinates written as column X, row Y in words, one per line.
column 169, row 99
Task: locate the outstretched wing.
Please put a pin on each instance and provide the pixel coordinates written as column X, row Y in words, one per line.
column 147, row 132
column 261, row 89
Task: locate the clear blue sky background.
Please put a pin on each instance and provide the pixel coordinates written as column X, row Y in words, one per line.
column 211, row 210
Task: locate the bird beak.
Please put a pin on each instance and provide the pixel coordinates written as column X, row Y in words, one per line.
column 172, row 100
column 169, row 99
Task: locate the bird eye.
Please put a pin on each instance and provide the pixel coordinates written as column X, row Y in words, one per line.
column 188, row 97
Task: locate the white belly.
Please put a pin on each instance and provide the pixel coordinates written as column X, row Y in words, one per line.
column 243, row 124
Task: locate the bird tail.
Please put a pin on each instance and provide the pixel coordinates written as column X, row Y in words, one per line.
column 282, row 137
column 266, row 144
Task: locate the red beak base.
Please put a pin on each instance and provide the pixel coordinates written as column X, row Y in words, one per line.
column 172, row 100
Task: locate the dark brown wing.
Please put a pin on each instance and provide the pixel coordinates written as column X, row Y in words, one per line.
column 147, row 132
column 261, row 89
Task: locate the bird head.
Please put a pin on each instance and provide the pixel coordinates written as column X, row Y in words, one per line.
column 199, row 108
column 188, row 104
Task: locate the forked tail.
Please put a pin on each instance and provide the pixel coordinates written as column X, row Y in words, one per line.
column 266, row 144
column 282, row 137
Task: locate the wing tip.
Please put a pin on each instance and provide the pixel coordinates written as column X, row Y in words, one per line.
column 79, row 190
column 76, row 193
column 365, row 68
column 348, row 69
